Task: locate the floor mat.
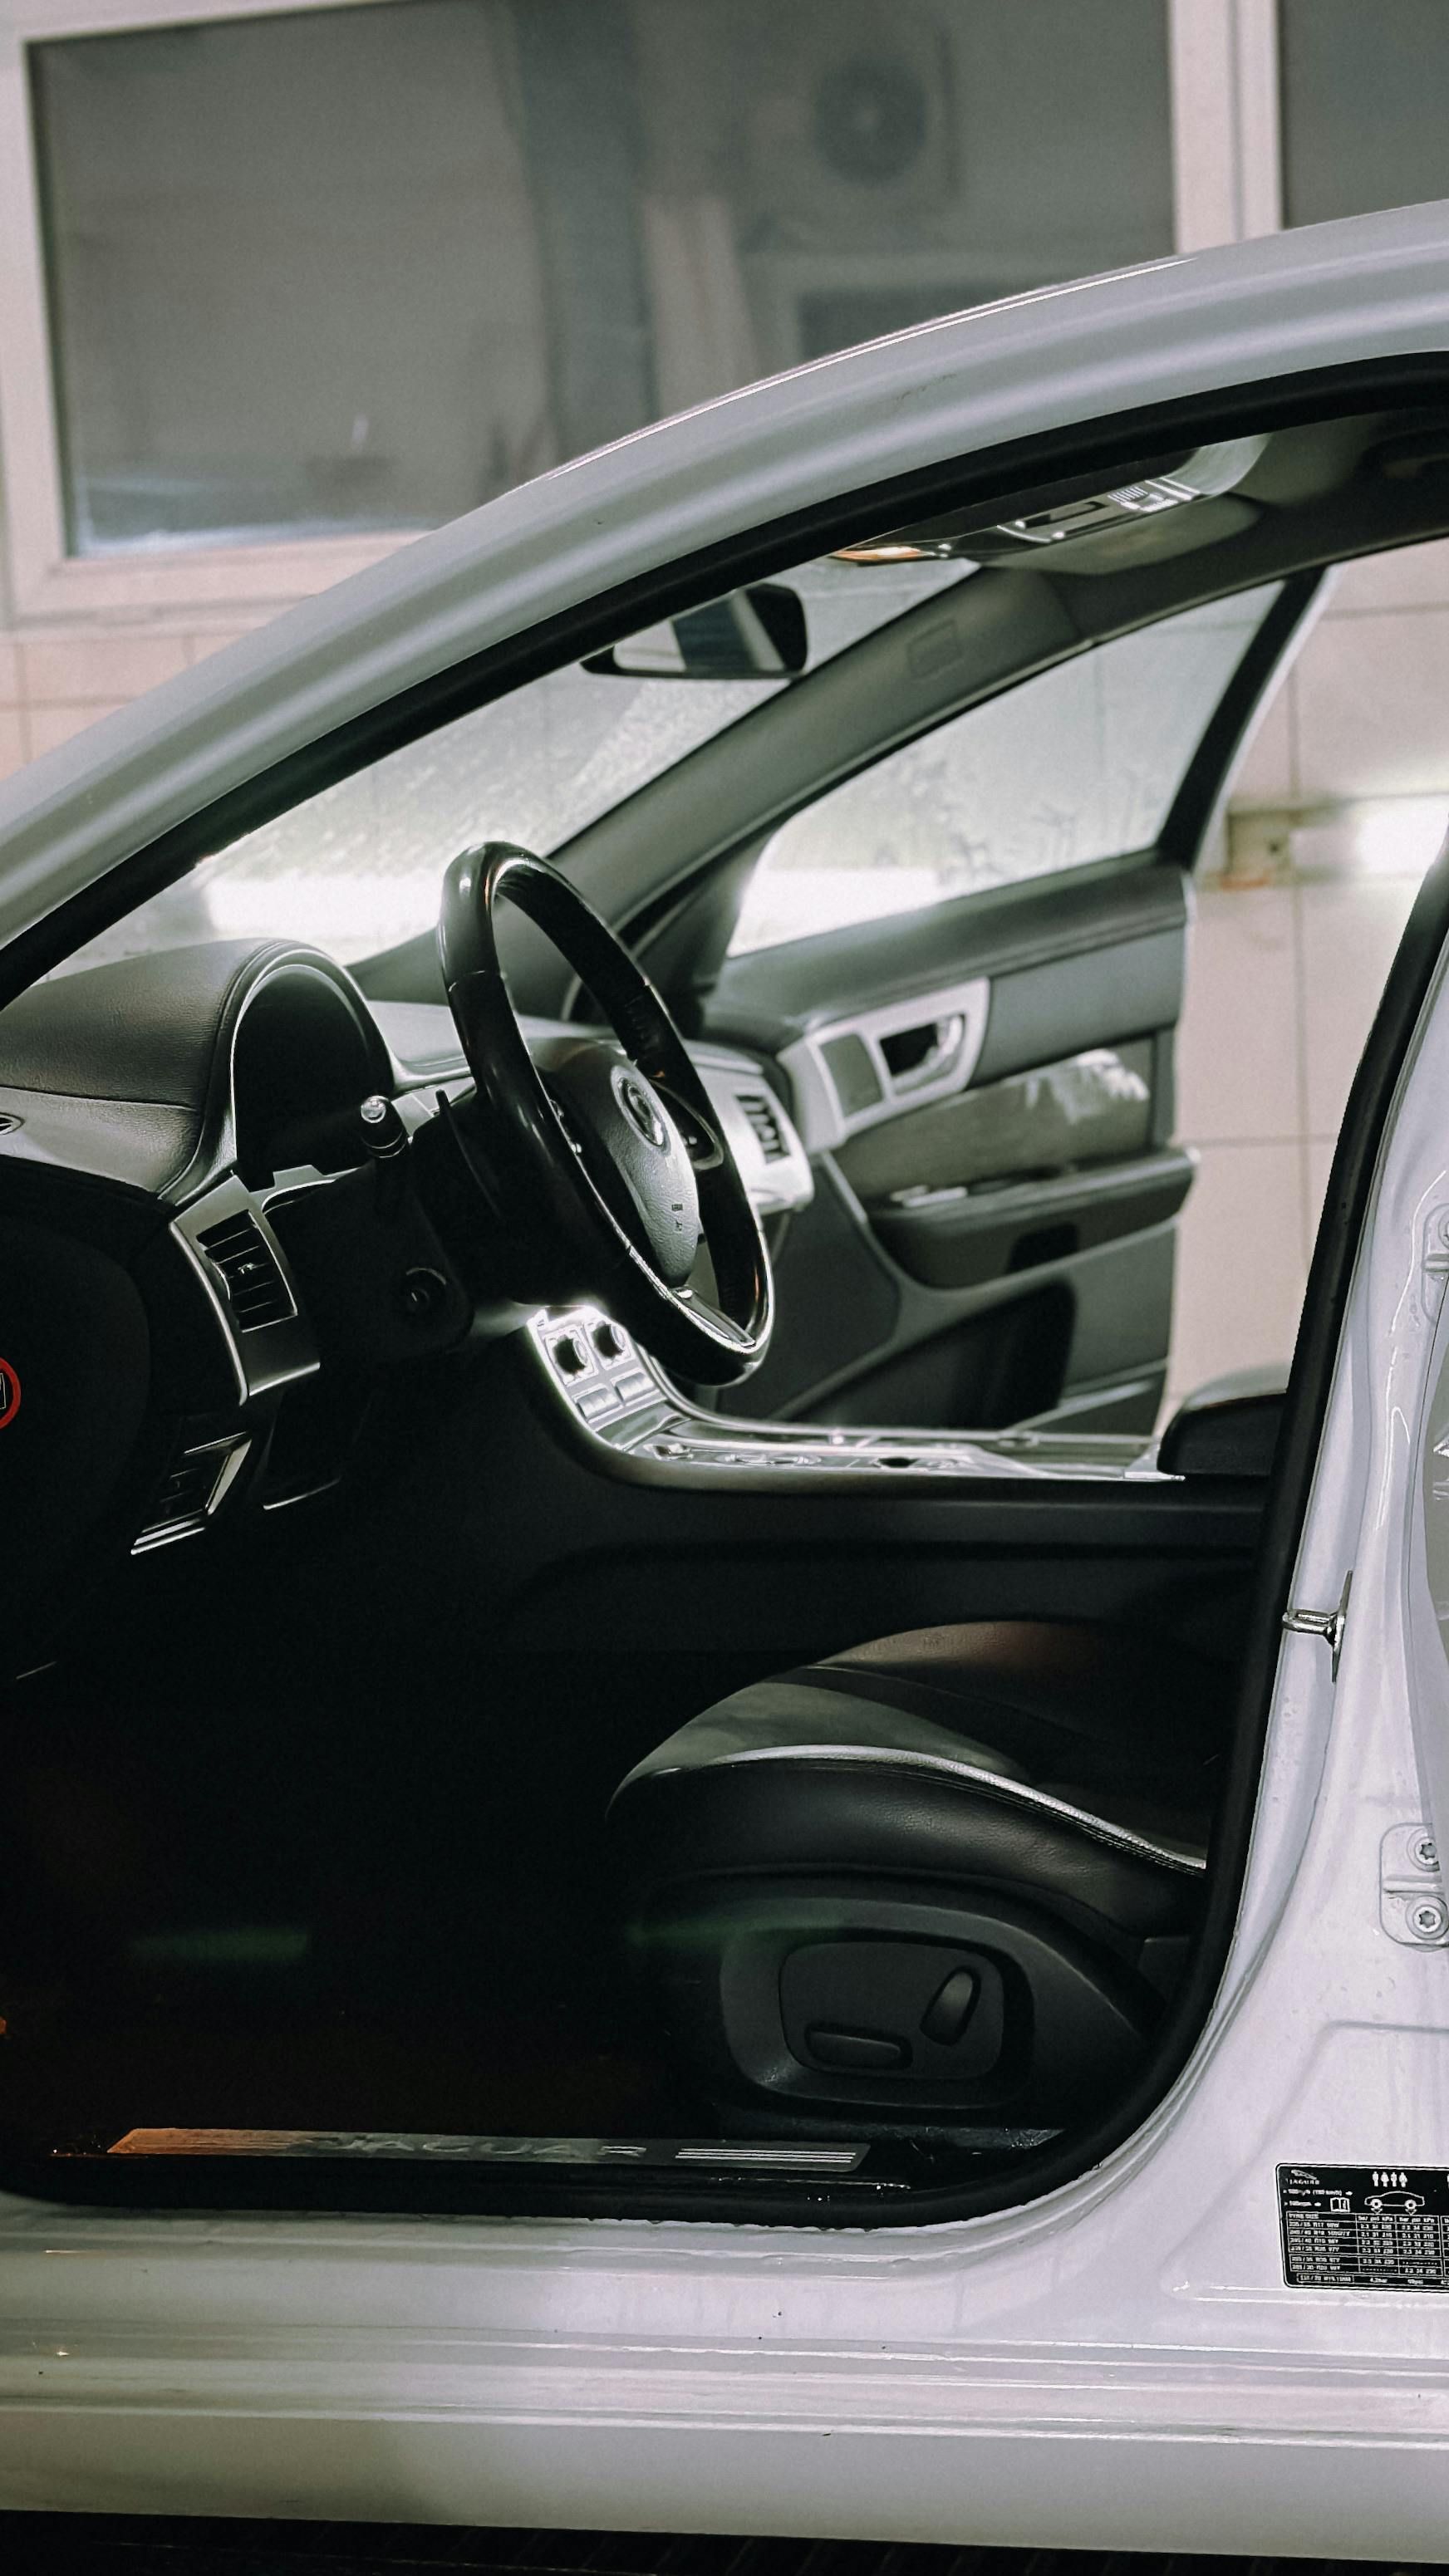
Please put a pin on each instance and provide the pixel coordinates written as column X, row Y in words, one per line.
column 62, row 2078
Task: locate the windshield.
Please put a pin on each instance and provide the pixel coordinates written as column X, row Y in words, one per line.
column 358, row 868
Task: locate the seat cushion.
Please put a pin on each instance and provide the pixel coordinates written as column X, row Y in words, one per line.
column 1070, row 1765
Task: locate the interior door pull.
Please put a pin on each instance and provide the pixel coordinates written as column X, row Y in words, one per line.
column 916, row 1056
column 851, row 1073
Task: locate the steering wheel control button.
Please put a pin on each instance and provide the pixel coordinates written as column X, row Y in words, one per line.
column 609, row 1342
column 9, row 1393
column 948, row 2012
column 569, row 1355
column 857, row 2052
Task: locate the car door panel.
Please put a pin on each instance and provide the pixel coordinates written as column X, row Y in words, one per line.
column 1002, row 1251
column 1089, row 1108
column 777, row 994
column 1121, row 987
column 959, row 1239
column 1076, row 1338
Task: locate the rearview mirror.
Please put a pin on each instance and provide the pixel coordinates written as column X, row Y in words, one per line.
column 755, row 634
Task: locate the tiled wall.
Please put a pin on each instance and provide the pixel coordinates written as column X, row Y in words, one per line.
column 53, row 685
column 1366, row 710
column 1282, row 985
column 1284, row 977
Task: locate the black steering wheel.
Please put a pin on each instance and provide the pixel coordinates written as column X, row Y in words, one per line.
column 605, row 1164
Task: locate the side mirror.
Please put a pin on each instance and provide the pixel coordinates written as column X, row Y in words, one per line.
column 1227, row 1428
column 755, row 634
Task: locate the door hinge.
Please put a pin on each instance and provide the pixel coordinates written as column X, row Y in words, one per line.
column 1328, row 1624
column 1411, row 1891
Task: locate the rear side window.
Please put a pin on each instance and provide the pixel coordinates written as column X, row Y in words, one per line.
column 1080, row 764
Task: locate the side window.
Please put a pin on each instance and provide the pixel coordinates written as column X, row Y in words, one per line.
column 1080, row 764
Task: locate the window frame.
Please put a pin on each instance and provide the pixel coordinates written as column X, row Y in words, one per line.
column 45, row 580
column 1225, row 150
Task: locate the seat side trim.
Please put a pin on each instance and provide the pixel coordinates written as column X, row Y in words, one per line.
column 991, row 1784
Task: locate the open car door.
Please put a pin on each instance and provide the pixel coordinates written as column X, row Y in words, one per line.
column 966, row 967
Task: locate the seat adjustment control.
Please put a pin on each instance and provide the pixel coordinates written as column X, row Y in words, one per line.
column 857, row 2052
column 950, row 2008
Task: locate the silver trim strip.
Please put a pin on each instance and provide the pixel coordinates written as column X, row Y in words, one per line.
column 959, row 1010
column 231, row 1452
column 217, row 1302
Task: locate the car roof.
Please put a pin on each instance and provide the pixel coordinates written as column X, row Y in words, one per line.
column 1325, row 297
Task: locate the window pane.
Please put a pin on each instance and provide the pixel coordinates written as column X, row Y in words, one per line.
column 1363, row 105
column 1077, row 765
column 362, row 268
column 360, row 866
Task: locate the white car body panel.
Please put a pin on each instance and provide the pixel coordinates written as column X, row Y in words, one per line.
column 1119, row 2364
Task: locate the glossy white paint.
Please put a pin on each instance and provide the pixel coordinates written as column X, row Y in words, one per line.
column 1327, row 296
column 1118, row 2365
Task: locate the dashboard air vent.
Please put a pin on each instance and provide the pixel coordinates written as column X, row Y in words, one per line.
column 181, row 1504
column 764, row 1118
column 254, row 1283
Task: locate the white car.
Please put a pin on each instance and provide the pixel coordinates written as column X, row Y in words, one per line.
column 662, row 1872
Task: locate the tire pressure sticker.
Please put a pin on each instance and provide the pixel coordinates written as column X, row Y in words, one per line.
column 1364, row 2227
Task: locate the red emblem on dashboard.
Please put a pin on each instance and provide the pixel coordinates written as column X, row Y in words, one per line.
column 9, row 1393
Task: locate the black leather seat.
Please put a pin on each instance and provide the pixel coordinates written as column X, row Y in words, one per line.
column 951, row 1872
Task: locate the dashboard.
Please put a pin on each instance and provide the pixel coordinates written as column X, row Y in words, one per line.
column 202, row 1268
column 213, row 1287
column 165, row 1072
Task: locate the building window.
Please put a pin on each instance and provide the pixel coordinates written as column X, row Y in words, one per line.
column 1363, row 105
column 293, row 283
column 357, row 269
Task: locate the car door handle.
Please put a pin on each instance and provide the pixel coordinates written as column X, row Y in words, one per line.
column 918, row 1055
column 852, row 1073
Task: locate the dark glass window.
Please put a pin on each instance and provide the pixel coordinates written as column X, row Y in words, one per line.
column 363, row 268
